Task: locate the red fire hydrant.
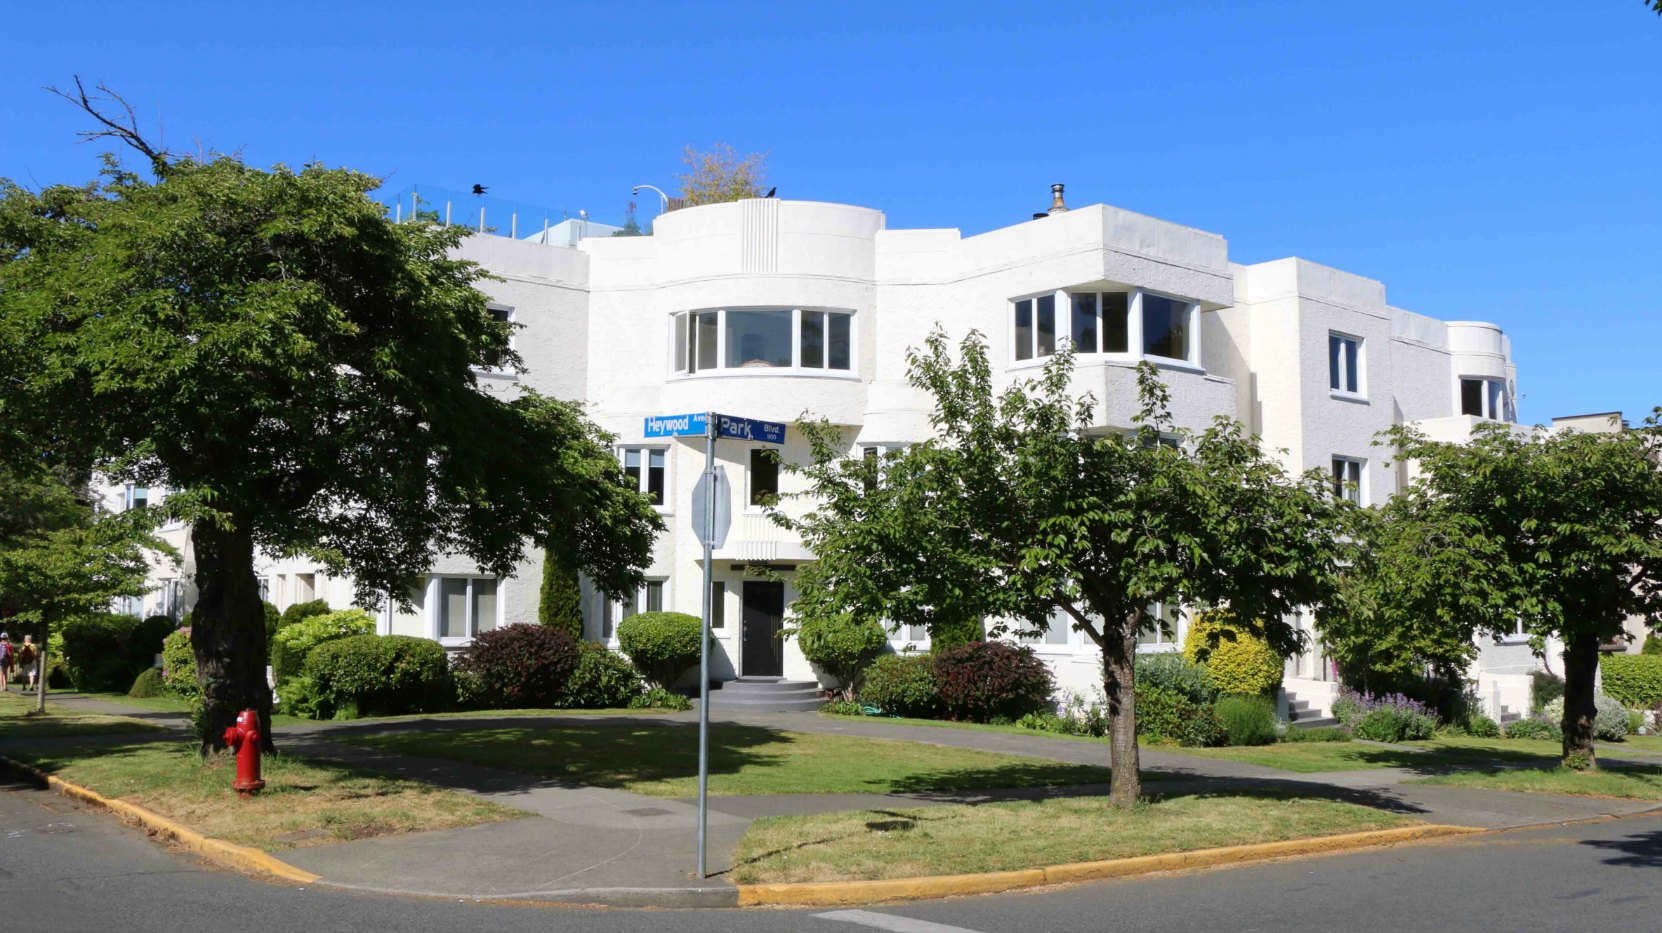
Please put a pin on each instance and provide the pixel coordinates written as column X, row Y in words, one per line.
column 244, row 739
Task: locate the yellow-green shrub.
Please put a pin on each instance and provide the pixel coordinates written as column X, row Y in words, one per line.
column 1239, row 661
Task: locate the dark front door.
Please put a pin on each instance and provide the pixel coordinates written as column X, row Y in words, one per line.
column 764, row 611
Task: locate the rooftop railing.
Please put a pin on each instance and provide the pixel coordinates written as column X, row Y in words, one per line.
column 483, row 213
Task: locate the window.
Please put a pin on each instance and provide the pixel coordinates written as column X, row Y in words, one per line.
column 763, row 338
column 1344, row 366
column 1484, row 398
column 173, row 599
column 764, row 476
column 466, row 607
column 1163, row 635
column 264, row 584
column 137, row 497
column 646, row 468
column 502, row 314
column 1165, row 327
column 1100, row 322
column 1347, row 479
column 718, row 604
column 649, row 598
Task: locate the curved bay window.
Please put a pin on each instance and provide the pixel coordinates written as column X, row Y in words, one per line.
column 762, row 339
column 1133, row 323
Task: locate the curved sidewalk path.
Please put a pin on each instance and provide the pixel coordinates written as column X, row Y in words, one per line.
column 598, row 845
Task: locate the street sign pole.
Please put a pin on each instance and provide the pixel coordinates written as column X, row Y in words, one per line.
column 704, row 639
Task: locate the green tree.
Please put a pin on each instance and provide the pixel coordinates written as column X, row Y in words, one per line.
column 1560, row 532
column 1020, row 510
column 300, row 372
column 60, row 558
column 561, row 601
column 721, row 174
column 631, row 224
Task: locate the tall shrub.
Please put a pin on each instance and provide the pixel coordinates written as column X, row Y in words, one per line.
column 561, row 602
column 179, row 665
column 984, row 680
column 295, row 641
column 1634, row 679
column 518, row 667
column 663, row 645
column 842, row 646
column 98, row 653
column 603, row 679
column 1172, row 671
column 378, row 675
column 902, row 685
column 1238, row 660
column 1248, row 720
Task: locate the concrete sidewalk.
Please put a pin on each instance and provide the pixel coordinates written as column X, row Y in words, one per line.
column 596, row 845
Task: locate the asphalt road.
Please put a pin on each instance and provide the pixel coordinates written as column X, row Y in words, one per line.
column 67, row 868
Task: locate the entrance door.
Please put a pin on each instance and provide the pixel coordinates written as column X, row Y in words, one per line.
column 764, row 612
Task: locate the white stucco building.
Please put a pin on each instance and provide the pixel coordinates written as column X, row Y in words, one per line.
column 773, row 309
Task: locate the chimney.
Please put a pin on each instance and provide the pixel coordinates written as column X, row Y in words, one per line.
column 1056, row 205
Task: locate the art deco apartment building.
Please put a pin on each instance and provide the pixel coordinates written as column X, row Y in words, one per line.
column 773, row 309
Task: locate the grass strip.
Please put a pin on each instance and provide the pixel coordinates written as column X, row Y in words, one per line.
column 18, row 719
column 306, row 802
column 661, row 760
column 958, row 839
column 1638, row 782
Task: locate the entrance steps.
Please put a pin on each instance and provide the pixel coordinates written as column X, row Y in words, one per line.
column 1302, row 715
column 766, row 695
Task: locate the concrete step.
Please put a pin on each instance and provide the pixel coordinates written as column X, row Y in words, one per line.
column 1314, row 723
column 767, row 695
column 766, row 706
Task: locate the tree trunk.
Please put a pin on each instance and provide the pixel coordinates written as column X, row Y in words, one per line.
column 1581, row 663
column 1119, row 684
column 43, row 639
column 228, row 633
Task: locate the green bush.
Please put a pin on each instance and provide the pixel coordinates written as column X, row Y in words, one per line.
column 603, row 679
column 1544, row 687
column 659, row 698
column 842, row 647
column 1482, row 727
column 518, row 667
column 1317, row 734
column 1652, row 645
column 148, row 684
column 902, row 685
column 300, row 612
column 1239, row 661
column 1392, row 724
column 1247, row 720
column 1534, row 729
column 1609, row 717
column 98, row 652
column 663, row 645
column 947, row 631
column 295, row 640
column 273, row 620
column 979, row 681
column 1173, row 671
column 1633, row 679
column 561, row 601
column 179, row 665
column 145, row 641
column 1165, row 715
column 378, row 675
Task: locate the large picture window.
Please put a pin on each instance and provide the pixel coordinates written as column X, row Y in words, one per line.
column 753, row 339
column 466, row 607
column 1165, row 327
column 1115, row 322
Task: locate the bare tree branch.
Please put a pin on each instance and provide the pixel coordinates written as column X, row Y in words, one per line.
column 118, row 127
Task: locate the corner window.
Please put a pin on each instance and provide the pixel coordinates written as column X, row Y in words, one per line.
column 466, row 606
column 1347, row 479
column 1035, row 327
column 1344, row 365
column 763, row 339
column 1166, row 326
column 1483, row 398
column 764, row 477
column 646, row 468
column 1104, row 322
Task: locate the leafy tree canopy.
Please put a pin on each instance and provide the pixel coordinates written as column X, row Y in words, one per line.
column 721, row 174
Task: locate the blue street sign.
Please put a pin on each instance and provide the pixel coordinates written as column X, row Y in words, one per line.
column 694, row 425
column 749, row 429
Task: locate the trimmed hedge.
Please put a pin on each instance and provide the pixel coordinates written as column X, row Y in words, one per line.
column 1239, row 661
column 517, row 667
column 378, row 675
column 842, row 646
column 1248, row 720
column 179, row 665
column 979, row 681
column 603, row 679
column 1534, row 729
column 99, row 652
column 295, row 640
column 663, row 645
column 902, row 685
column 300, row 612
column 1635, row 680
column 148, row 684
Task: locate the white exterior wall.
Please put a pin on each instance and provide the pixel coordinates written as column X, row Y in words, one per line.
column 597, row 325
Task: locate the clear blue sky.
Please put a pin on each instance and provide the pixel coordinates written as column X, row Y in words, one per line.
column 1494, row 160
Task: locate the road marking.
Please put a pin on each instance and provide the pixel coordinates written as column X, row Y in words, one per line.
column 878, row 921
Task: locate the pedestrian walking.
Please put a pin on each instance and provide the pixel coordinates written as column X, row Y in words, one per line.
column 26, row 659
column 6, row 660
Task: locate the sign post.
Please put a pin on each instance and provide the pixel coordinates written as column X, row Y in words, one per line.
column 711, row 518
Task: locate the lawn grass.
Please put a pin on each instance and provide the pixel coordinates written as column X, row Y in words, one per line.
column 969, row 726
column 173, row 704
column 306, row 802
column 955, row 839
column 19, row 720
column 661, row 759
column 1641, row 782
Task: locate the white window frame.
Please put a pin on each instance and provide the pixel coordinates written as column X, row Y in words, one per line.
column 1497, row 397
column 1515, row 637
column 1350, row 348
column 1179, row 628
column 1360, row 496
column 639, row 599
column 435, row 594
column 750, row 473
column 502, row 372
column 130, row 500
column 678, row 357
column 1133, row 329
column 646, row 451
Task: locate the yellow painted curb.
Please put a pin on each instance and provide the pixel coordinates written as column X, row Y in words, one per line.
column 218, row 850
column 832, row 893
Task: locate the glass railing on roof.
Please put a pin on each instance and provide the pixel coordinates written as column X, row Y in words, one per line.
column 484, row 213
